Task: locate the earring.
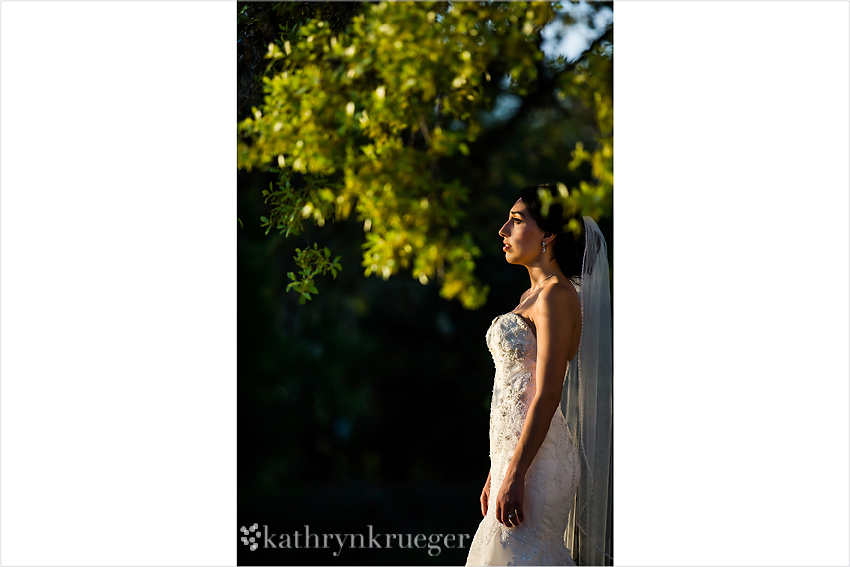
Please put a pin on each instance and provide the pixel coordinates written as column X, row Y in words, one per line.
column 544, row 246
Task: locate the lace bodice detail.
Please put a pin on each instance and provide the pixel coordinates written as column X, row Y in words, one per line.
column 514, row 350
column 510, row 340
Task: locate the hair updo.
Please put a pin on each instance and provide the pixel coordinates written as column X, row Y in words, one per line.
column 566, row 249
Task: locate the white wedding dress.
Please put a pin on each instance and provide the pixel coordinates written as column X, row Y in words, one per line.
column 553, row 477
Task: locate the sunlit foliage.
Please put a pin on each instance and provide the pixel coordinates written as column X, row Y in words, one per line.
column 355, row 123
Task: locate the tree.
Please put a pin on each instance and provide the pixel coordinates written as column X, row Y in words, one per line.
column 358, row 121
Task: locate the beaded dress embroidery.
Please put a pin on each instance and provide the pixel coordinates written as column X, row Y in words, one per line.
column 552, row 478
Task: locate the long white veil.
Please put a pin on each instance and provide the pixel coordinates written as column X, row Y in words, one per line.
column 587, row 404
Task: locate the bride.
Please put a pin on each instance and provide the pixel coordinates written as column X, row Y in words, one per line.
column 546, row 501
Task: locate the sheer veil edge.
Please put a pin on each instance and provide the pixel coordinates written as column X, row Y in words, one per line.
column 587, row 403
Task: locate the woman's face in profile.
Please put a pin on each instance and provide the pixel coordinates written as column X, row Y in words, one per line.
column 522, row 239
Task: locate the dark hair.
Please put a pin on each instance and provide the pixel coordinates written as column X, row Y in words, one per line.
column 567, row 249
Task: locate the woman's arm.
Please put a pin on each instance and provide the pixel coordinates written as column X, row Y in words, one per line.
column 554, row 322
column 485, row 495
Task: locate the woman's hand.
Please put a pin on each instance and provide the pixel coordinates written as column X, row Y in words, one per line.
column 485, row 496
column 509, row 501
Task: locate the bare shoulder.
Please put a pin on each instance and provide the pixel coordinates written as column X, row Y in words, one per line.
column 558, row 298
column 558, row 311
